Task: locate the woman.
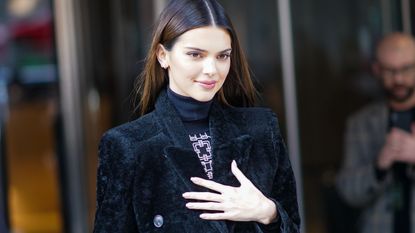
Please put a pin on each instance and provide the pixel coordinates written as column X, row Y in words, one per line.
column 197, row 160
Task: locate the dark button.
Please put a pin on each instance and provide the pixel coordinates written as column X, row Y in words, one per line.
column 158, row 221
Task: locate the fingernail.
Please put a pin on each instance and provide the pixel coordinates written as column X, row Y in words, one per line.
column 185, row 194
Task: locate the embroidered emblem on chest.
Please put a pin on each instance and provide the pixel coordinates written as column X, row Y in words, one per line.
column 201, row 145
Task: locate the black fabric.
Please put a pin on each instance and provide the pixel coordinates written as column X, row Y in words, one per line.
column 188, row 108
column 145, row 166
column 380, row 174
column 402, row 190
column 402, row 183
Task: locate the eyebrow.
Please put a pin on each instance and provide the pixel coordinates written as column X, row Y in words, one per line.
column 201, row 50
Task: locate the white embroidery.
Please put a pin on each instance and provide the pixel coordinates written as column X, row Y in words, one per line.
column 201, row 145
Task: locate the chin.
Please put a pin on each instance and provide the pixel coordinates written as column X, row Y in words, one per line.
column 203, row 98
column 400, row 98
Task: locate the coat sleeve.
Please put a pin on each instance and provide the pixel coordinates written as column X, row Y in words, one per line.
column 356, row 181
column 284, row 192
column 114, row 211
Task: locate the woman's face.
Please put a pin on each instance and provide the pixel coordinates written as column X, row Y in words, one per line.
column 198, row 63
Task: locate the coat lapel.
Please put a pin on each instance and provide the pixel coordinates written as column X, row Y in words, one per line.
column 170, row 122
column 228, row 143
column 185, row 163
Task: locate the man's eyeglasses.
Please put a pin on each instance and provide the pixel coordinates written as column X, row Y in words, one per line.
column 405, row 71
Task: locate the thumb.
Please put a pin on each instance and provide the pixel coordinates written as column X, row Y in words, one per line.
column 238, row 173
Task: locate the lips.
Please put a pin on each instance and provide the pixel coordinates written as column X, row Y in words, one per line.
column 400, row 89
column 208, row 84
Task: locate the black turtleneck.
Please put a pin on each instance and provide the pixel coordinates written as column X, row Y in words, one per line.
column 189, row 109
column 195, row 117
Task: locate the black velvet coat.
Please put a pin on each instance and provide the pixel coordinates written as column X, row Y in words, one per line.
column 145, row 166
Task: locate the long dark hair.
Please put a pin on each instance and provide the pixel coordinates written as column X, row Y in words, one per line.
column 178, row 17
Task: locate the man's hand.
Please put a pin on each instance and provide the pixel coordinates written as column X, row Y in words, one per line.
column 399, row 147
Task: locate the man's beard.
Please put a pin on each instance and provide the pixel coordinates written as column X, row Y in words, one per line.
column 394, row 97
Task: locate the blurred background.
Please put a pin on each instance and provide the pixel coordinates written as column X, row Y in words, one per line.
column 66, row 74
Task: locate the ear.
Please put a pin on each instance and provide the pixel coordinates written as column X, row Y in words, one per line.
column 162, row 56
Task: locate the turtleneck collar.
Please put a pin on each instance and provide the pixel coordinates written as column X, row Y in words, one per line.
column 188, row 108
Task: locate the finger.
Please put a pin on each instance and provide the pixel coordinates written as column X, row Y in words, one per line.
column 215, row 216
column 397, row 130
column 395, row 139
column 413, row 129
column 209, row 184
column 390, row 137
column 400, row 133
column 205, row 206
column 203, row 196
column 394, row 145
column 238, row 173
column 394, row 134
column 402, row 159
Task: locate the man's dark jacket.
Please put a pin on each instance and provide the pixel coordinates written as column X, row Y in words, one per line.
column 145, row 166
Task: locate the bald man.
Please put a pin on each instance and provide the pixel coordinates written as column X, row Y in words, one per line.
column 378, row 172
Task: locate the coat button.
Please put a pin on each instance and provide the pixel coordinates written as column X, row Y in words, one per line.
column 158, row 221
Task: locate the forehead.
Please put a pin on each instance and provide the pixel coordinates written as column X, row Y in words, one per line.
column 397, row 52
column 206, row 38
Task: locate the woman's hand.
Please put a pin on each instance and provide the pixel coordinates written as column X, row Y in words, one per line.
column 243, row 203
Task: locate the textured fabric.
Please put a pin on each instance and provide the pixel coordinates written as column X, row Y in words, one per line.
column 358, row 181
column 146, row 165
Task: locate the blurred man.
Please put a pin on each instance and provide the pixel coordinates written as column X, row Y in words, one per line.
column 378, row 171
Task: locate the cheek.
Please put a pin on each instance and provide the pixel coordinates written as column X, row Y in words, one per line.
column 183, row 68
column 193, row 70
column 411, row 82
column 387, row 83
column 224, row 70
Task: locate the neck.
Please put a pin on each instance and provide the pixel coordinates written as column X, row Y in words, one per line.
column 188, row 108
column 402, row 106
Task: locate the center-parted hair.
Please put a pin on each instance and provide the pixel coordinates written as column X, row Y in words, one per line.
column 178, row 17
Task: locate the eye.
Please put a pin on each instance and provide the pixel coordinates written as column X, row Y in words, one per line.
column 408, row 69
column 224, row 56
column 194, row 55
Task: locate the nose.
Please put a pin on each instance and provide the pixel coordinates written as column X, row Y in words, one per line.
column 209, row 67
column 398, row 78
